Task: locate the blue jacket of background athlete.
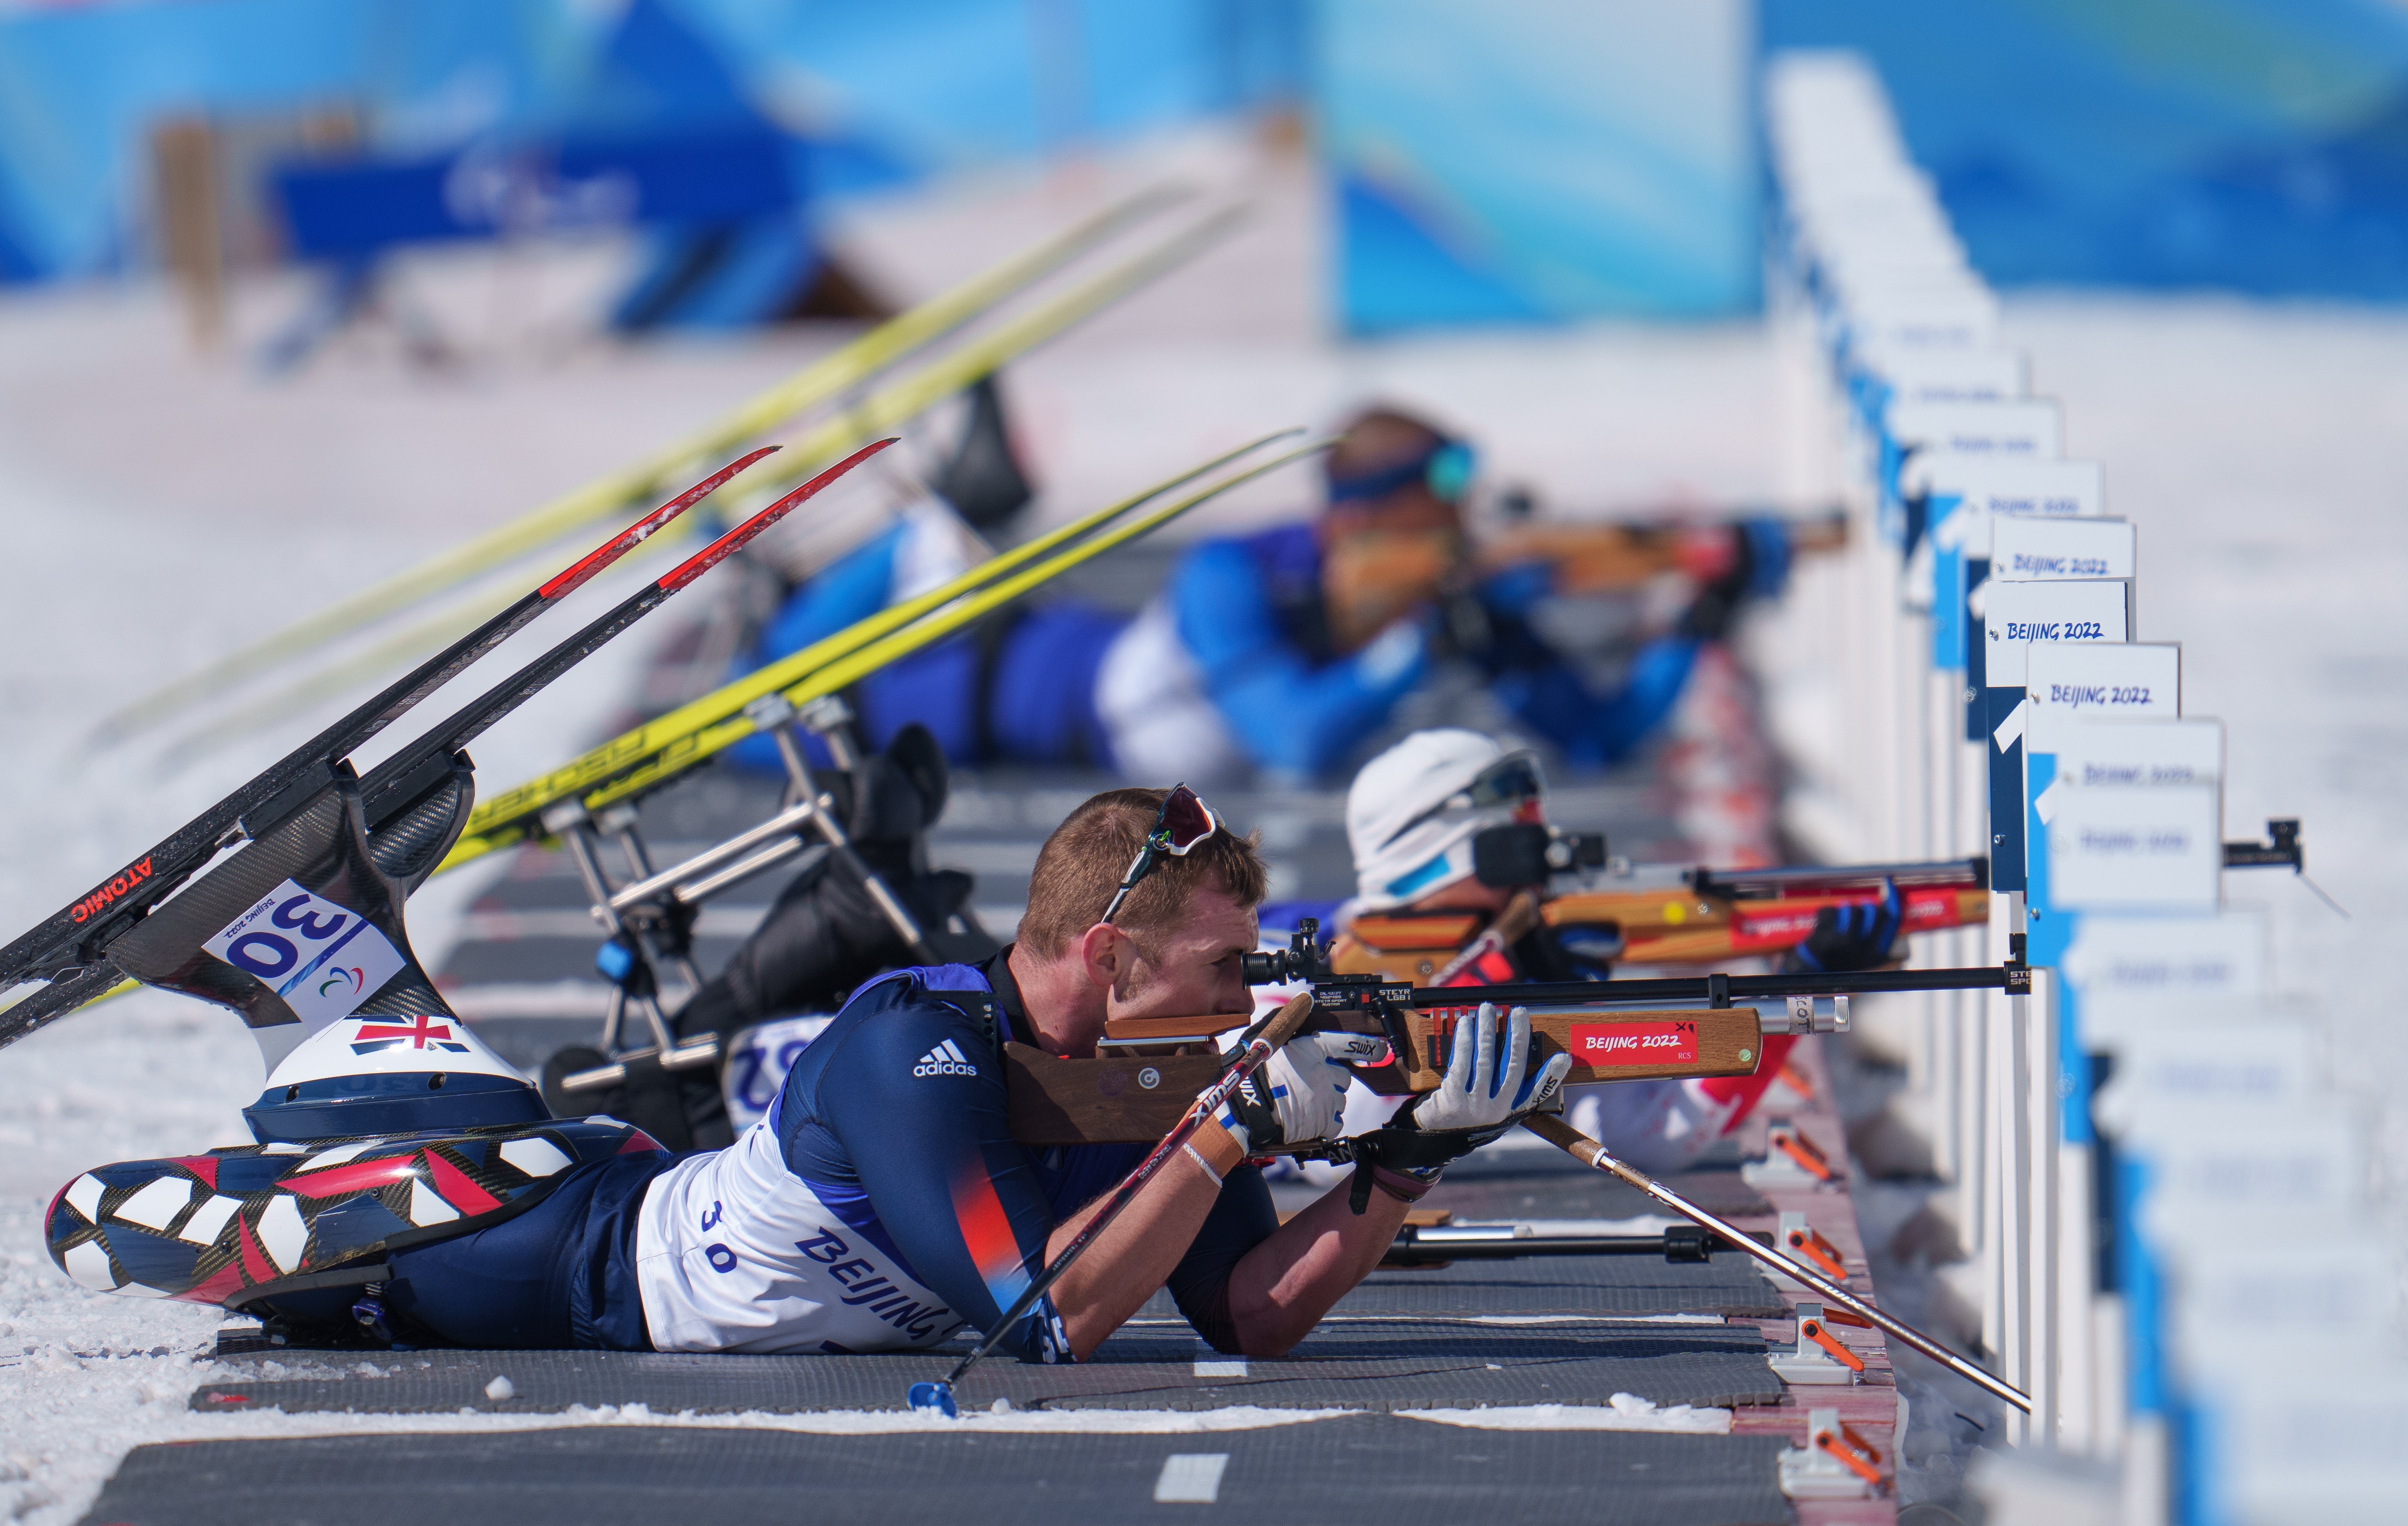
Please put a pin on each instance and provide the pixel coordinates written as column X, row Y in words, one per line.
column 1251, row 612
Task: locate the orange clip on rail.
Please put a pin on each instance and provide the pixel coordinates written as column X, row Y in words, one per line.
column 1826, row 1256
column 1801, row 1149
column 1856, row 1453
column 1813, row 1330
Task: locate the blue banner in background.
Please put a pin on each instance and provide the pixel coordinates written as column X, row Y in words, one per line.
column 865, row 96
column 1487, row 161
column 1523, row 161
column 2258, row 146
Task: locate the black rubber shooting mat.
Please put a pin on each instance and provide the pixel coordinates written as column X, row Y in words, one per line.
column 1596, row 1286
column 1372, row 1365
column 1397, row 1472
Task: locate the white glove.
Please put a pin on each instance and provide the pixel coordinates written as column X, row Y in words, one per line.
column 1300, row 1093
column 1485, row 1088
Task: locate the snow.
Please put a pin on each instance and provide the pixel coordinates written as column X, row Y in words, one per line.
column 161, row 509
column 1621, row 1411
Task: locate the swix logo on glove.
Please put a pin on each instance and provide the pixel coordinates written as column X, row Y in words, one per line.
column 1359, row 1049
column 944, row 1060
column 322, row 958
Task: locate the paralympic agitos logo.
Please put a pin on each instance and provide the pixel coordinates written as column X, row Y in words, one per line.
column 92, row 904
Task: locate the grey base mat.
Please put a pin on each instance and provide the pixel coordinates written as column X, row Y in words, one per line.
column 1374, row 1365
column 1526, row 1183
column 1359, row 1468
column 1599, row 1286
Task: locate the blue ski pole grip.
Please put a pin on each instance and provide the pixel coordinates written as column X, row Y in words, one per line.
column 937, row 1398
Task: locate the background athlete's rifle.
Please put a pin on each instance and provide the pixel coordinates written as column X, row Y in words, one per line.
column 1596, row 558
column 1660, row 913
column 1667, row 914
column 1145, row 1069
column 1373, row 575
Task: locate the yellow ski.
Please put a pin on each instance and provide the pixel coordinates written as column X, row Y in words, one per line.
column 825, row 377
column 648, row 755
column 882, row 412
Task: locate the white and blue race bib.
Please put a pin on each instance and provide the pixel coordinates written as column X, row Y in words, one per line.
column 758, row 1062
column 322, row 958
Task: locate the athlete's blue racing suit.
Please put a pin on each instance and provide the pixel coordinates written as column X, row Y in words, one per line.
column 1251, row 612
column 881, row 1205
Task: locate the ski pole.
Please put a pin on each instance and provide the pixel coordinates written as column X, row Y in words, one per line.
column 1588, row 1152
column 1260, row 1045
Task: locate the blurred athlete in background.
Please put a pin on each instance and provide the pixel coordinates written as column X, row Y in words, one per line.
column 1283, row 651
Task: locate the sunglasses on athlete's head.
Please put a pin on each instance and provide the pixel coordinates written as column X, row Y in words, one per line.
column 1180, row 826
column 1514, row 779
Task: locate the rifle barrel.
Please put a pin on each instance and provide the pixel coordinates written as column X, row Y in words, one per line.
column 1972, row 872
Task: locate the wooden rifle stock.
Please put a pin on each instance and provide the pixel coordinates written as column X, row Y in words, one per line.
column 1681, row 927
column 1371, row 577
column 1599, row 558
column 1157, row 1065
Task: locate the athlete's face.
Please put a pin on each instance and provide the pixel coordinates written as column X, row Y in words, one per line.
column 1199, row 965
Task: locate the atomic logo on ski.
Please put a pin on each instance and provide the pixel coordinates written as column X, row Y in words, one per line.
column 92, row 905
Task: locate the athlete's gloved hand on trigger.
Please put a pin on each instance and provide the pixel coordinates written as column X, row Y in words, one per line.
column 1759, row 568
column 1488, row 1080
column 1488, row 1085
column 1300, row 1093
column 1849, row 937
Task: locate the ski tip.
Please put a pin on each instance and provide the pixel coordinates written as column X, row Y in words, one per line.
column 582, row 572
column 935, row 1399
column 737, row 539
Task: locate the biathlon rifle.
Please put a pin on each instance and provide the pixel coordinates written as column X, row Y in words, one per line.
column 1372, row 576
column 1596, row 558
column 1660, row 914
column 1681, row 914
column 1145, row 1069
column 1350, row 1002
column 366, row 843
column 824, row 379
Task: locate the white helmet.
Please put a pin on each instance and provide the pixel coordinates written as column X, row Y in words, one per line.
column 1413, row 811
column 379, row 1075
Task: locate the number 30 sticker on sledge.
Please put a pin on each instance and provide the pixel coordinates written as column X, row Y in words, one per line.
column 1602, row 1045
column 323, row 959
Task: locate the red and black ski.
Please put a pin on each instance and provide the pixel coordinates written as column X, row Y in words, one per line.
column 68, row 948
column 434, row 751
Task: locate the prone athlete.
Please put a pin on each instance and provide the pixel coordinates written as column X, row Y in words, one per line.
column 883, row 1203
column 1418, row 818
column 1277, row 652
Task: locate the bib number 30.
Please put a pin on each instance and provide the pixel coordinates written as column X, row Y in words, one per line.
column 323, row 959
